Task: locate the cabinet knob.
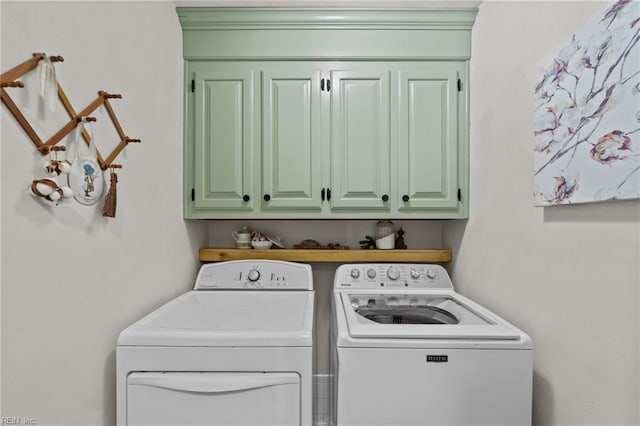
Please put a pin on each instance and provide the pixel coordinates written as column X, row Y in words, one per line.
column 245, row 198
column 267, row 197
column 405, row 198
column 385, row 198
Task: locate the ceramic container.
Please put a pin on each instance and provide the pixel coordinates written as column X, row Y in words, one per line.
column 385, row 235
column 261, row 245
column 242, row 238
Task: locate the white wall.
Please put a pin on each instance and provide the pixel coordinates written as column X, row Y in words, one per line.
column 567, row 275
column 72, row 279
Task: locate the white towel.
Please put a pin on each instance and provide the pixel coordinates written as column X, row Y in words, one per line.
column 48, row 82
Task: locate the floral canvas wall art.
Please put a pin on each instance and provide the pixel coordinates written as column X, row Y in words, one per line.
column 587, row 114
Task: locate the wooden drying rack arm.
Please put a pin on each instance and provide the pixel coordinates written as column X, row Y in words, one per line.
column 18, row 71
column 13, row 109
column 124, row 139
column 117, row 150
column 9, row 79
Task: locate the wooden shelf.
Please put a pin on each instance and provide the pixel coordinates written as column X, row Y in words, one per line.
column 331, row 256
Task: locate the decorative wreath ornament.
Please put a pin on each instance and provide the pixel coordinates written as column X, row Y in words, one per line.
column 49, row 190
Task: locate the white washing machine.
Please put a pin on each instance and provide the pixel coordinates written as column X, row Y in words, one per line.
column 236, row 350
column 408, row 351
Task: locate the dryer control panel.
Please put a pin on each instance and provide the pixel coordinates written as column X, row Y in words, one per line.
column 254, row 275
column 392, row 276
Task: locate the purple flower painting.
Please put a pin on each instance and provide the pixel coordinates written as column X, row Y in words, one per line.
column 587, row 114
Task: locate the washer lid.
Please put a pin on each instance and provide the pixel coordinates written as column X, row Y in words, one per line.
column 421, row 316
column 227, row 318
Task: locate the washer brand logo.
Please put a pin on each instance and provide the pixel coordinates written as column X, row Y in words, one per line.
column 437, row 358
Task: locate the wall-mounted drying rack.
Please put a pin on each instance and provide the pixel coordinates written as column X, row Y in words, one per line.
column 10, row 79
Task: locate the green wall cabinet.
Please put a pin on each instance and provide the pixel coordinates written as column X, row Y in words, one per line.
column 225, row 138
column 297, row 115
column 291, row 138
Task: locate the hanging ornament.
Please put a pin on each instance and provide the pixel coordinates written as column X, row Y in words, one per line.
column 110, row 201
column 48, row 189
column 55, row 166
column 85, row 176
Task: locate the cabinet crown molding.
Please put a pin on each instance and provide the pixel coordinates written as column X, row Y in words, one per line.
column 328, row 34
column 208, row 18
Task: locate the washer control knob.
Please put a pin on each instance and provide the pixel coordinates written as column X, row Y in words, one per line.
column 393, row 273
column 355, row 273
column 431, row 273
column 254, row 275
column 415, row 274
column 371, row 273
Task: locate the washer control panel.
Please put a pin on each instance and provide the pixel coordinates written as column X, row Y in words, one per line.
column 392, row 276
column 254, row 275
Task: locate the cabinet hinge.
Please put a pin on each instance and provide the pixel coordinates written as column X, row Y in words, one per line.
column 459, row 194
column 459, row 85
column 193, row 194
column 193, row 86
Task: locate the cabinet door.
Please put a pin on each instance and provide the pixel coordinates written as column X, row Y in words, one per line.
column 224, row 139
column 360, row 140
column 428, row 136
column 291, row 138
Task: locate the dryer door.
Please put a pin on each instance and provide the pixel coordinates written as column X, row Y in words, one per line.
column 186, row 398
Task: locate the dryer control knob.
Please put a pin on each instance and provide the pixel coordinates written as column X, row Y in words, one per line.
column 254, row 275
column 355, row 273
column 415, row 274
column 393, row 273
column 371, row 273
column 431, row 273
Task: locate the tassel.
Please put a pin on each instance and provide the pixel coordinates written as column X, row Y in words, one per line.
column 110, row 200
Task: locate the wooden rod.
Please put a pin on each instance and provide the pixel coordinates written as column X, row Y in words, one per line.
column 116, row 151
column 11, row 84
column 109, row 95
column 64, row 131
column 28, row 65
column 91, row 119
column 74, row 122
column 114, row 119
column 23, row 68
column 6, row 99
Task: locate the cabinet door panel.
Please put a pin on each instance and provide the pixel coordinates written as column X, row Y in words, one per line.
column 291, row 166
column 224, row 139
column 360, row 142
column 428, row 137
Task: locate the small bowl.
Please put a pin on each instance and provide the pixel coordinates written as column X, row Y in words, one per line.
column 261, row 245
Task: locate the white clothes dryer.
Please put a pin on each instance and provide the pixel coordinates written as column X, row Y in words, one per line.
column 235, row 350
column 408, row 350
